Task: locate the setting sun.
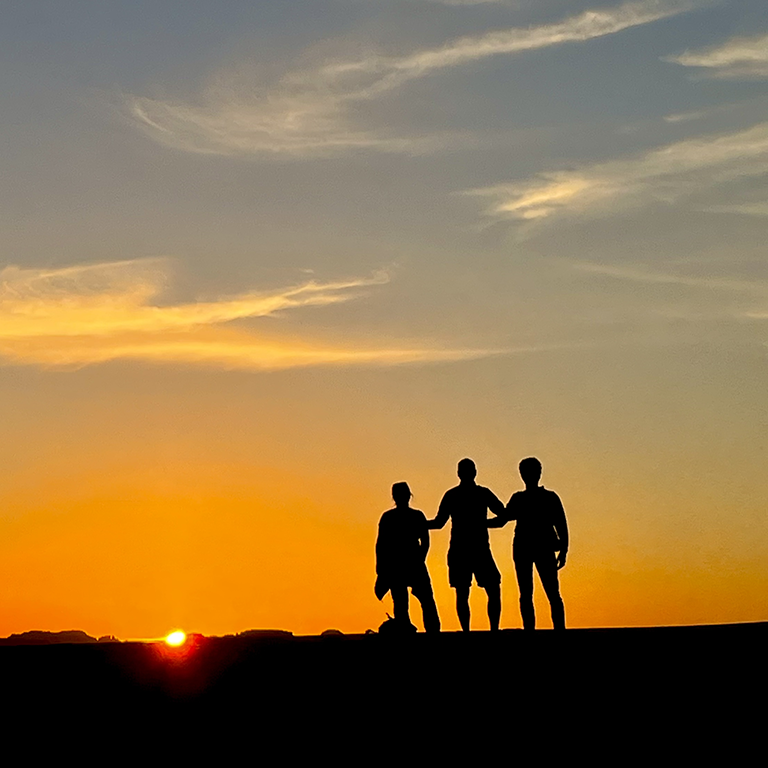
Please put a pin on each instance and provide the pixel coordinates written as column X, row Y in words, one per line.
column 176, row 638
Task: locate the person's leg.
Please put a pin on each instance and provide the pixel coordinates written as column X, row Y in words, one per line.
column 524, row 573
column 489, row 578
column 462, row 607
column 400, row 602
column 494, row 605
column 423, row 593
column 460, row 578
column 546, row 565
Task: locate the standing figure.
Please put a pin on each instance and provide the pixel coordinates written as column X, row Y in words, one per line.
column 540, row 532
column 401, row 551
column 469, row 553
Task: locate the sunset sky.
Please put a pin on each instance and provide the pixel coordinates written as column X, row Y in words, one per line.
column 261, row 260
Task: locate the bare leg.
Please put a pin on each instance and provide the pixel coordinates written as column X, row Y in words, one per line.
column 462, row 607
column 494, row 605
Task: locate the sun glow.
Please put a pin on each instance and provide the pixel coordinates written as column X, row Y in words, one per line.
column 176, row 638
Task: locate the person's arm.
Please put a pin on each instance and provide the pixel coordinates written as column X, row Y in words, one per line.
column 380, row 549
column 561, row 528
column 443, row 513
column 496, row 506
column 381, row 586
column 424, row 538
column 510, row 511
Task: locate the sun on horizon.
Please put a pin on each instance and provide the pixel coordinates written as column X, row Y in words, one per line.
column 176, row 638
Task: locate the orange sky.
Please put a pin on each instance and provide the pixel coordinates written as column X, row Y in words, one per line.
column 199, row 500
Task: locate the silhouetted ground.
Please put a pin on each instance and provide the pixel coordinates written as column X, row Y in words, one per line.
column 615, row 694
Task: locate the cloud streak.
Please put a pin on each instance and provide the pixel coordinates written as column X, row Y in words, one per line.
column 736, row 58
column 745, row 290
column 683, row 117
column 107, row 298
column 668, row 175
column 92, row 314
column 512, row 3
column 638, row 275
column 313, row 111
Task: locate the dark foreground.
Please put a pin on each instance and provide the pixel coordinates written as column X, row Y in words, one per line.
column 618, row 693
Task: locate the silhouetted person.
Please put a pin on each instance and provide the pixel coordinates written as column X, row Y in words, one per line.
column 469, row 553
column 401, row 551
column 540, row 532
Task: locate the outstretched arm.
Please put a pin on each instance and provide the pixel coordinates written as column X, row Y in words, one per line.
column 424, row 541
column 497, row 508
column 443, row 513
column 510, row 511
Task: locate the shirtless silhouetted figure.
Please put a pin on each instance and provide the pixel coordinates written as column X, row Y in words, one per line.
column 401, row 551
column 541, row 530
column 469, row 552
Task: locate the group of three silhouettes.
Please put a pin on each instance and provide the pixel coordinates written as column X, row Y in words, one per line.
column 541, row 539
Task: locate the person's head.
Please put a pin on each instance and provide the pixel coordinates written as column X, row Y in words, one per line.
column 401, row 494
column 466, row 470
column 530, row 470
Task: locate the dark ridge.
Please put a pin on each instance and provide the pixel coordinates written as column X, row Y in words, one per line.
column 265, row 633
column 40, row 637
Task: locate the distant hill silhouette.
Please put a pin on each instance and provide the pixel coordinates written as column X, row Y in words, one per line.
column 78, row 637
column 40, row 637
column 265, row 633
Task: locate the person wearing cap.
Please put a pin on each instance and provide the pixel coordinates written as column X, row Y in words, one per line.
column 401, row 551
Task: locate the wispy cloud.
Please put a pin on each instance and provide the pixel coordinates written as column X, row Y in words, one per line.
column 113, row 297
column 643, row 275
column 683, row 117
column 513, row 3
column 668, row 174
column 736, row 58
column 311, row 110
column 95, row 313
column 759, row 209
column 747, row 292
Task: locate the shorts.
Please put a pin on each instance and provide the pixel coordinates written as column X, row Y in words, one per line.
column 462, row 565
column 416, row 578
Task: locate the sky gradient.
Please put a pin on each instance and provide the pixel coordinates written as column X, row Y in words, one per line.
column 263, row 260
